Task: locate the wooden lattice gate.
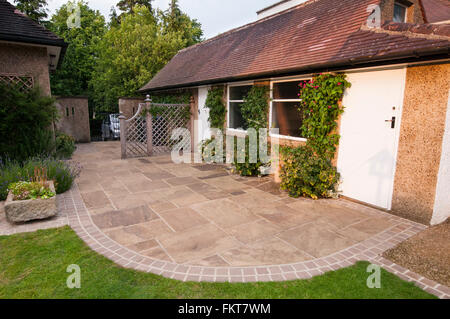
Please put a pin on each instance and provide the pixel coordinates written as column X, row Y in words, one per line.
column 149, row 131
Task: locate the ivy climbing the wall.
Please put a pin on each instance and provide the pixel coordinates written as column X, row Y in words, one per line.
column 254, row 112
column 308, row 170
column 217, row 110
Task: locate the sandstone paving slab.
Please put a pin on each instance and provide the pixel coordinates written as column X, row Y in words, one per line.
column 273, row 251
column 95, row 199
column 126, row 217
column 149, row 230
column 316, row 239
column 180, row 219
column 261, row 229
column 225, row 213
column 197, row 242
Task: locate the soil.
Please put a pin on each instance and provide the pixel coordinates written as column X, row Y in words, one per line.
column 427, row 253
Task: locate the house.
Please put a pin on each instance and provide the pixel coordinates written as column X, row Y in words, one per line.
column 28, row 54
column 394, row 152
column 28, row 51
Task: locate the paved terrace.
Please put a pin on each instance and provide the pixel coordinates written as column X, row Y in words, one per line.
column 200, row 223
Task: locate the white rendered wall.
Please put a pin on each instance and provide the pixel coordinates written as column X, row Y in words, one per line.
column 442, row 201
column 281, row 7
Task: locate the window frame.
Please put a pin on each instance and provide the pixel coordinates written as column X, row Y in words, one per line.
column 396, row 3
column 229, row 86
column 272, row 100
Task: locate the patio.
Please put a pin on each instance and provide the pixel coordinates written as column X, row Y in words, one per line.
column 201, row 215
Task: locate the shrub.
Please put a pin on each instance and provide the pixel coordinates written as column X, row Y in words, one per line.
column 62, row 173
column 247, row 168
column 65, row 145
column 25, row 122
column 305, row 173
column 30, row 190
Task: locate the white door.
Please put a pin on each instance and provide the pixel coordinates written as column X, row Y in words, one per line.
column 368, row 147
column 204, row 131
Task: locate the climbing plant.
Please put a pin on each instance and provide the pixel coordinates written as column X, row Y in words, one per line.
column 308, row 170
column 321, row 108
column 217, row 110
column 254, row 112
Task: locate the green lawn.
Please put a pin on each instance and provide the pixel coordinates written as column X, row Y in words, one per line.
column 34, row 266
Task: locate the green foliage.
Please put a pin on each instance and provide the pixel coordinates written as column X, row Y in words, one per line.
column 35, row 9
column 128, row 5
column 30, row 190
column 131, row 53
column 320, row 105
column 247, row 168
column 217, row 110
column 65, row 145
column 174, row 98
column 73, row 77
column 25, row 122
column 254, row 112
column 308, row 170
column 255, row 107
column 62, row 173
column 305, row 173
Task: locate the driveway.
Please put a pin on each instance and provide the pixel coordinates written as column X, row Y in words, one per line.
column 201, row 215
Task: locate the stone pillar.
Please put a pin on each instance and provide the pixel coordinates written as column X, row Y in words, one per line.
column 149, row 120
column 123, row 135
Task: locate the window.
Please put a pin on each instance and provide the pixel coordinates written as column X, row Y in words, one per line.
column 399, row 12
column 73, row 111
column 236, row 95
column 67, row 111
column 285, row 108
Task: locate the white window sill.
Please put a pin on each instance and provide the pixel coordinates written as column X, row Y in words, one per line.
column 290, row 138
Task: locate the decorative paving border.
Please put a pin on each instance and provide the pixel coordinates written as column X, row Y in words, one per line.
column 72, row 205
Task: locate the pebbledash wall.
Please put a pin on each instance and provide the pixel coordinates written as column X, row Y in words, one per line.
column 25, row 60
column 74, row 117
column 423, row 152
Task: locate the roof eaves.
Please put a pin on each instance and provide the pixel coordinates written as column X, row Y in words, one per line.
column 367, row 61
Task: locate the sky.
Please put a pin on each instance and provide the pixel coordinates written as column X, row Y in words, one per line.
column 216, row 16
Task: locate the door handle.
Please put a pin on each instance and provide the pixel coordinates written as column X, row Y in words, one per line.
column 392, row 122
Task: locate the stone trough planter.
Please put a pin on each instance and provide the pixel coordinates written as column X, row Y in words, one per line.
column 33, row 209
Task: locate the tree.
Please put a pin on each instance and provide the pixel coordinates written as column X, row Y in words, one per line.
column 35, row 9
column 113, row 18
column 133, row 52
column 76, row 71
column 128, row 5
column 176, row 21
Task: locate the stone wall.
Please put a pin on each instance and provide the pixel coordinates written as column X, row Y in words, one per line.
column 26, row 60
column 421, row 138
column 129, row 105
column 74, row 118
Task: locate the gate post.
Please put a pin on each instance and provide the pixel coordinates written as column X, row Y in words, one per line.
column 149, row 120
column 123, row 135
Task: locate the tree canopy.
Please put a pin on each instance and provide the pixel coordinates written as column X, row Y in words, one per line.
column 76, row 72
column 128, row 5
column 35, row 9
column 132, row 52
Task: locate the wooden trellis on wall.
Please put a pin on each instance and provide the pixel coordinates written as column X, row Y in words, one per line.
column 23, row 82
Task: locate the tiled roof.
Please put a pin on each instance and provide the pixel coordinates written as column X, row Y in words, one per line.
column 315, row 35
column 436, row 10
column 17, row 27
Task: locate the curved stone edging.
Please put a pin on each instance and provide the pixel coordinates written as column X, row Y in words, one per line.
column 368, row 250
